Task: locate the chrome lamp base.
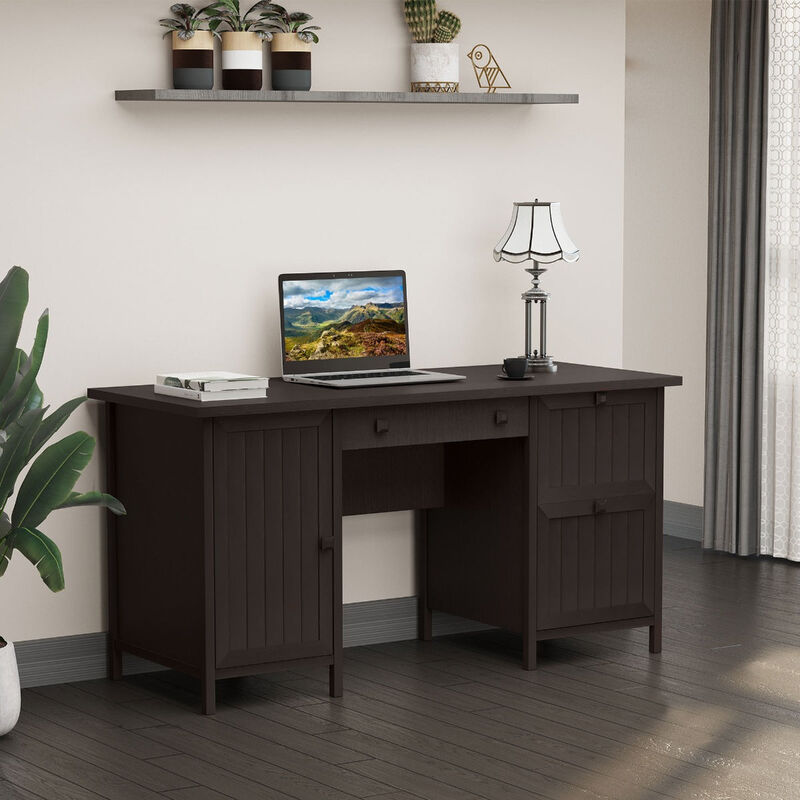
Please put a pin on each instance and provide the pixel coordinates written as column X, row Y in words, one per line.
column 538, row 360
column 537, row 364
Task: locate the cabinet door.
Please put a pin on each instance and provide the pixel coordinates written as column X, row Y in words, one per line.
column 596, row 523
column 272, row 509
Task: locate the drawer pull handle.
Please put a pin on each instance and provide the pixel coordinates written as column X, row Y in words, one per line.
column 500, row 418
column 327, row 542
column 600, row 506
column 600, row 398
column 381, row 426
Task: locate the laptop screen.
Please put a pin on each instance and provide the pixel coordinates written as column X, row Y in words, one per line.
column 334, row 322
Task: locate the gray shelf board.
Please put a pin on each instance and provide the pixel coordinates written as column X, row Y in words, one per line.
column 229, row 95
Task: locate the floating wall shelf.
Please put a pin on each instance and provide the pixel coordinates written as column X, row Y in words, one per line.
column 222, row 95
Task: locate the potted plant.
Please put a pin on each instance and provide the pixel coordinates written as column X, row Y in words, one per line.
column 242, row 42
column 290, row 37
column 192, row 48
column 434, row 55
column 25, row 429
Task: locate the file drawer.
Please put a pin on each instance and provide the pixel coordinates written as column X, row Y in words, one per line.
column 397, row 426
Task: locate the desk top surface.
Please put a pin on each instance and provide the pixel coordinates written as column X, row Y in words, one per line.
column 481, row 383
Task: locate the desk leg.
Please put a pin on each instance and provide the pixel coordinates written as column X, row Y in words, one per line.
column 424, row 616
column 115, row 653
column 529, row 653
column 335, row 682
column 658, row 545
column 335, row 685
column 116, row 661
column 209, row 692
column 655, row 637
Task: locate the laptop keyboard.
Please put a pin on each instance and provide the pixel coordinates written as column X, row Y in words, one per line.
column 357, row 376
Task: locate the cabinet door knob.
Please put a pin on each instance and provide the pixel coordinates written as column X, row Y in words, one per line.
column 381, row 426
column 327, row 542
column 500, row 418
column 600, row 506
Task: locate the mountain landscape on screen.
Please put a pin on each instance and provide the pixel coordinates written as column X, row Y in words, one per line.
column 319, row 322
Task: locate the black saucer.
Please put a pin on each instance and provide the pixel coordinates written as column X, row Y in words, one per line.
column 509, row 378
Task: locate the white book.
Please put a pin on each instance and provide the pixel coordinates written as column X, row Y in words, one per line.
column 206, row 397
column 212, row 381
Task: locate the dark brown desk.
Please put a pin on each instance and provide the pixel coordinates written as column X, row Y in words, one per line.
column 539, row 510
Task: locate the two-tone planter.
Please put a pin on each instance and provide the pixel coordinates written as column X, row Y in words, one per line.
column 193, row 61
column 434, row 67
column 242, row 60
column 291, row 63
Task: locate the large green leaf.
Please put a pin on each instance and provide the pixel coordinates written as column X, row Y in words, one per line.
column 6, row 543
column 12, row 371
column 17, row 450
column 43, row 553
column 51, row 478
column 93, row 499
column 6, row 551
column 34, row 400
column 51, row 424
column 13, row 302
column 11, row 405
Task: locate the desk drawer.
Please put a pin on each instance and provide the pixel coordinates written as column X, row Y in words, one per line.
column 432, row 423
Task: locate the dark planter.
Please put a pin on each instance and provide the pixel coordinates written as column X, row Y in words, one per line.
column 291, row 63
column 193, row 61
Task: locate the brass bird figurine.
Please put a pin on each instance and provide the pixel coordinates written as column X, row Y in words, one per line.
column 487, row 70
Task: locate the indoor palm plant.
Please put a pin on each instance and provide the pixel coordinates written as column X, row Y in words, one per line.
column 52, row 470
column 242, row 42
column 291, row 38
column 192, row 47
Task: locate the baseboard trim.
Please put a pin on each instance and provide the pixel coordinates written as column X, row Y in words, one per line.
column 683, row 520
column 84, row 657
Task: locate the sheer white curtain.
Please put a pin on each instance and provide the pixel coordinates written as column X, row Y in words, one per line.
column 780, row 459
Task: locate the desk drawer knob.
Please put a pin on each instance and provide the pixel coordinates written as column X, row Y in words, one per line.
column 600, row 506
column 500, row 418
column 381, row 426
column 327, row 543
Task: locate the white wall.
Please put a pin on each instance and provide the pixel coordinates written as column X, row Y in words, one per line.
column 666, row 219
column 155, row 232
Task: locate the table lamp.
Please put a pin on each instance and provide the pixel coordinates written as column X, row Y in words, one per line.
column 537, row 234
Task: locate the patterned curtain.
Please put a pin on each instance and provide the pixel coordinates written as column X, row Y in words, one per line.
column 780, row 451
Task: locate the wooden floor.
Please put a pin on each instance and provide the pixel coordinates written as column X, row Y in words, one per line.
column 716, row 715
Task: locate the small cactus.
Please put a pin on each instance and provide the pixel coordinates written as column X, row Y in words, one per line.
column 421, row 19
column 448, row 26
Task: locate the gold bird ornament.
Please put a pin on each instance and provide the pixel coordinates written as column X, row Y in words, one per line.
column 487, row 70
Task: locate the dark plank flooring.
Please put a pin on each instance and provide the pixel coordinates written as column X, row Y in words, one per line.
column 716, row 715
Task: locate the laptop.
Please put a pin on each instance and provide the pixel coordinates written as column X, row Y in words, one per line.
column 347, row 330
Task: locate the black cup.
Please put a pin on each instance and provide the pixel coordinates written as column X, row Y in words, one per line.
column 515, row 367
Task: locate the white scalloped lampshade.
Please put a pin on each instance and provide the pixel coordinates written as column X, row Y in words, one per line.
column 536, row 233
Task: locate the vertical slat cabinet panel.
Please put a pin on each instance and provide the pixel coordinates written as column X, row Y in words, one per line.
column 272, row 509
column 596, row 522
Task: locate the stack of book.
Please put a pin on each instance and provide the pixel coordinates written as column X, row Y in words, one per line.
column 210, row 386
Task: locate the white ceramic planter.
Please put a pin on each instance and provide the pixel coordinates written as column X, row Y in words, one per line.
column 434, row 67
column 9, row 689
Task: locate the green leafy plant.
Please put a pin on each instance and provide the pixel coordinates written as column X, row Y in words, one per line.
column 228, row 13
column 427, row 25
column 279, row 20
column 25, row 428
column 187, row 21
